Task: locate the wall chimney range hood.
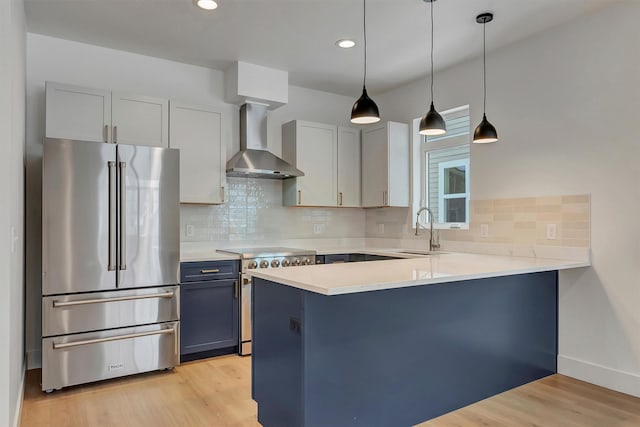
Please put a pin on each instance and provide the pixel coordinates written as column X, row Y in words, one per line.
column 254, row 160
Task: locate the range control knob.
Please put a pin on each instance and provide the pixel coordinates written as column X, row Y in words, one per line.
column 306, row 261
column 264, row 263
column 275, row 263
column 252, row 265
column 296, row 261
column 285, row 263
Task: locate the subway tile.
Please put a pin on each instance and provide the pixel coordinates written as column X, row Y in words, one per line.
column 548, row 208
column 583, row 199
column 525, row 201
column 525, row 225
column 572, row 217
column 503, row 202
column 582, row 234
column 503, row 217
column 549, row 217
column 549, row 201
column 575, row 225
column 524, row 216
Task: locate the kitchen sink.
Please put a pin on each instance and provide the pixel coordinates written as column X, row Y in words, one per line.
column 419, row 252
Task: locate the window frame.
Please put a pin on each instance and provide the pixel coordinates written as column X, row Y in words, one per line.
column 442, row 197
column 425, row 147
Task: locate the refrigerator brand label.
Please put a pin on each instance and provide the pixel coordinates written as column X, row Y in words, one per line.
column 116, row 366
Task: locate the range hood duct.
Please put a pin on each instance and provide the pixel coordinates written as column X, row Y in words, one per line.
column 254, row 160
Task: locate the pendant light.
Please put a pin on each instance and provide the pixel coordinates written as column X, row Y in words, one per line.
column 485, row 132
column 365, row 111
column 432, row 123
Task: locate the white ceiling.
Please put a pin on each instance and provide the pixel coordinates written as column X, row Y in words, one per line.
column 299, row 35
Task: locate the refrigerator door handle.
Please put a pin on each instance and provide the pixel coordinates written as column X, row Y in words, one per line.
column 57, row 303
column 123, row 216
column 112, row 216
column 58, row 346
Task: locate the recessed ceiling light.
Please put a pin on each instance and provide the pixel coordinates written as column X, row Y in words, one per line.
column 345, row 43
column 206, row 4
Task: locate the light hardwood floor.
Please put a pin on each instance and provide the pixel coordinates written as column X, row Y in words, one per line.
column 216, row 393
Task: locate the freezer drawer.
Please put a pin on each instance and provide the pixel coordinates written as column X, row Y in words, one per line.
column 68, row 314
column 75, row 359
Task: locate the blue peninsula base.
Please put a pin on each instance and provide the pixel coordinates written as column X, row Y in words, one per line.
column 398, row 357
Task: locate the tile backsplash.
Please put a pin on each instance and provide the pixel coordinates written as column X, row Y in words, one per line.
column 518, row 221
column 254, row 215
column 254, row 212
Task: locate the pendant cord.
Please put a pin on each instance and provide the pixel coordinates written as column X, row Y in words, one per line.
column 484, row 65
column 364, row 18
column 432, row 51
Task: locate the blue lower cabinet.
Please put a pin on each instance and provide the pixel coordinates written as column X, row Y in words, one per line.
column 398, row 357
column 208, row 318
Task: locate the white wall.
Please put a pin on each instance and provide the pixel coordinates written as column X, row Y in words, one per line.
column 64, row 61
column 566, row 105
column 12, row 128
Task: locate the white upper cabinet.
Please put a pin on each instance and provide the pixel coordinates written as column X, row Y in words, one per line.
column 80, row 113
column 349, row 154
column 140, row 120
column 385, row 165
column 197, row 132
column 312, row 148
column 88, row 114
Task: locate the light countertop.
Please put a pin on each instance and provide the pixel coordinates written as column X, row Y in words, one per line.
column 346, row 278
column 207, row 256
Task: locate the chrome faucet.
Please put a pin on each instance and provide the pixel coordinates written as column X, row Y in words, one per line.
column 432, row 245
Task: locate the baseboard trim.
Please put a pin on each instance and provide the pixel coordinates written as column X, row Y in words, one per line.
column 18, row 414
column 614, row 379
column 34, row 359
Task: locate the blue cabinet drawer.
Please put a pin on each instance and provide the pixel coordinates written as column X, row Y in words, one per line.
column 208, row 270
column 209, row 316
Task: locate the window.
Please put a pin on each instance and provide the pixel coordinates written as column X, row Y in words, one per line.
column 444, row 177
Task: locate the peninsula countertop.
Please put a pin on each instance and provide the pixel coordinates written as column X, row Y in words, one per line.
column 337, row 279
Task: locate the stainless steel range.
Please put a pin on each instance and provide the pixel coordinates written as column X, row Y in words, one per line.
column 259, row 258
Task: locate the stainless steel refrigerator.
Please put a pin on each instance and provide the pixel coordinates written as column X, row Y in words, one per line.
column 111, row 251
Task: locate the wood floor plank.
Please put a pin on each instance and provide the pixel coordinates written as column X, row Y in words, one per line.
column 216, row 393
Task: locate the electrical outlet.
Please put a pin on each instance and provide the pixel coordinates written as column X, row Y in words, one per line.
column 552, row 231
column 484, row 230
column 318, row 228
column 189, row 230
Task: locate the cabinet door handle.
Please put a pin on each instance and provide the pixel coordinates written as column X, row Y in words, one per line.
column 340, row 198
column 115, row 134
column 235, row 289
column 106, row 134
column 216, row 270
column 222, row 193
column 299, row 197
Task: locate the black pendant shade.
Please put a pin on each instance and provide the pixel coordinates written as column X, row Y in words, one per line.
column 485, row 132
column 365, row 111
column 432, row 123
